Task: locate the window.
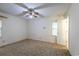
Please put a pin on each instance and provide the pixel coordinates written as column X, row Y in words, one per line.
column 0, row 27
column 54, row 28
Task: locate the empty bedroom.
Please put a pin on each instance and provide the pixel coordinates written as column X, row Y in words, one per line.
column 38, row 29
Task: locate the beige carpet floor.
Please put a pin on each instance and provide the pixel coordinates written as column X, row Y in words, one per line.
column 33, row 48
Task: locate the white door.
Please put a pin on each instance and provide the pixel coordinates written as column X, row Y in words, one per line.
column 65, row 27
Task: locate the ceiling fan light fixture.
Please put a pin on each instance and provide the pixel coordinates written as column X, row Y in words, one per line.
column 31, row 16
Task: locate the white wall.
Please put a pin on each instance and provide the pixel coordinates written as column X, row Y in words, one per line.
column 16, row 29
column 40, row 29
column 74, row 30
column 13, row 29
column 37, row 32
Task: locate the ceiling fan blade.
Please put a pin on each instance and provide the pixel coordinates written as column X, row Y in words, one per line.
column 1, row 16
column 40, row 15
column 43, row 6
column 23, row 13
column 22, row 5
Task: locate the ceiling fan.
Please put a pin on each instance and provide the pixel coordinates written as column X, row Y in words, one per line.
column 31, row 11
column 1, row 16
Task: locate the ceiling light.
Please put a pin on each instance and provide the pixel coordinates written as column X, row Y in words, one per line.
column 30, row 16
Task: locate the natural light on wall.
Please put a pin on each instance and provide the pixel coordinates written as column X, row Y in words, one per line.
column 54, row 28
column 0, row 27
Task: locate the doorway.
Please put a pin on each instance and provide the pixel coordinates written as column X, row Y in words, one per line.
column 65, row 28
column 60, row 31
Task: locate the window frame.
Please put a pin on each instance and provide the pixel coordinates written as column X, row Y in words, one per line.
column 54, row 28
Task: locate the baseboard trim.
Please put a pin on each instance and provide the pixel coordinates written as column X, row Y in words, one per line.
column 12, row 43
